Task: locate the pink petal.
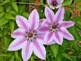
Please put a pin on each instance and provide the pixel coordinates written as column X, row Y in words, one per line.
column 67, row 24
column 22, row 22
column 34, row 19
column 46, row 23
column 59, row 16
column 48, row 38
column 27, row 51
column 16, row 44
column 60, row 1
column 44, row 29
column 39, row 50
column 59, row 5
column 52, row 42
column 58, row 38
column 41, row 37
column 66, row 34
column 49, row 14
column 18, row 33
column 49, row 1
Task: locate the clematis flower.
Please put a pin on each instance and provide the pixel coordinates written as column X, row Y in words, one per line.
column 28, row 37
column 55, row 27
column 55, row 3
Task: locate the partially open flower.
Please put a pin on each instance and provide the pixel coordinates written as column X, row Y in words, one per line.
column 55, row 3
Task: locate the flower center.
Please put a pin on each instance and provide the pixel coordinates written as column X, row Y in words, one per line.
column 31, row 35
column 54, row 2
column 54, row 27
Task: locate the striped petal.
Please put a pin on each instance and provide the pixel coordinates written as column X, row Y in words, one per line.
column 58, row 38
column 60, row 1
column 59, row 16
column 67, row 24
column 27, row 51
column 44, row 29
column 48, row 38
column 39, row 50
column 34, row 19
column 66, row 34
column 18, row 33
column 22, row 22
column 49, row 14
column 16, row 44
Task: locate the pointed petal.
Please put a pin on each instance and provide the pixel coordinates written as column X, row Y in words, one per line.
column 48, row 38
column 39, row 50
column 27, row 51
column 16, row 44
column 66, row 34
column 49, row 3
column 67, row 24
column 52, row 42
column 58, row 38
column 22, row 22
column 18, row 33
column 44, row 29
column 59, row 16
column 34, row 19
column 49, row 14
column 59, row 5
column 60, row 1
column 45, row 22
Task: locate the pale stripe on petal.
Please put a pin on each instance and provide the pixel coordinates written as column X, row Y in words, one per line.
column 48, row 38
column 16, row 44
column 58, row 38
column 22, row 22
column 59, row 16
column 49, row 14
column 66, row 34
column 18, row 33
column 67, row 24
column 39, row 50
column 34, row 19
column 27, row 51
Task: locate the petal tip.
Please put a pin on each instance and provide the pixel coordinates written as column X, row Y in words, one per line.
column 10, row 49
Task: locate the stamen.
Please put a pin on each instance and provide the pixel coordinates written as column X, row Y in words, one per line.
column 54, row 27
column 30, row 35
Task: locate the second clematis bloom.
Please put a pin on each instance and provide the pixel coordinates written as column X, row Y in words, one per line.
column 55, row 27
column 28, row 37
column 55, row 3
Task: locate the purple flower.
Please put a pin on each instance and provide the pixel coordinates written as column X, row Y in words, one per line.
column 55, row 28
column 55, row 3
column 28, row 37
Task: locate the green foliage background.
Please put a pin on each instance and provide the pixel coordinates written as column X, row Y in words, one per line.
column 69, row 51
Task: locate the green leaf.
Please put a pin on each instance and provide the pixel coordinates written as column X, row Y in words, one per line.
column 67, row 56
column 79, row 7
column 4, row 2
column 12, row 58
column 67, row 2
column 55, row 49
column 3, row 21
column 14, row 6
column 12, row 26
column 74, row 31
